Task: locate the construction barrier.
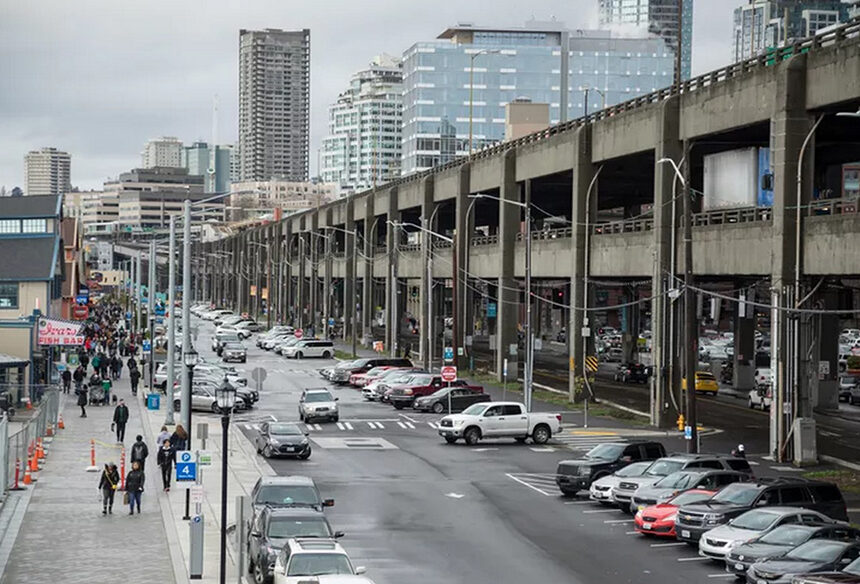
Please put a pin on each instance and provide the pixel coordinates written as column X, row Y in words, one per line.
column 19, row 447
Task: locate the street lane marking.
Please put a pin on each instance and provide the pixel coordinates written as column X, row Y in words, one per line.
column 402, row 425
column 673, row 544
column 433, row 425
column 410, row 418
column 380, row 425
column 613, row 521
column 317, row 427
column 631, row 533
column 601, row 511
column 340, row 426
column 542, row 449
column 720, row 575
column 534, row 488
column 348, row 425
column 409, row 425
column 454, row 495
column 696, row 559
column 577, row 502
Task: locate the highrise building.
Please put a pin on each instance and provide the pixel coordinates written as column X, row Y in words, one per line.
column 660, row 17
column 764, row 24
column 363, row 145
column 455, row 88
column 210, row 162
column 274, row 104
column 164, row 152
column 47, row 172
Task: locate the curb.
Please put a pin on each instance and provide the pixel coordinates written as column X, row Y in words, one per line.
column 839, row 462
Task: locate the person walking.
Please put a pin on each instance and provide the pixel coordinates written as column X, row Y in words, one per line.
column 131, row 363
column 134, row 375
column 108, row 485
column 82, row 401
column 134, row 483
column 162, row 436
column 78, row 377
column 84, row 360
column 120, row 419
column 67, row 380
column 139, row 452
column 117, row 367
column 165, row 459
column 179, row 438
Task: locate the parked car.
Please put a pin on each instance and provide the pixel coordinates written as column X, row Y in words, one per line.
column 287, row 491
column 499, row 420
column 847, row 382
column 717, row 542
column 270, row 531
column 694, row 520
column 450, row 399
column 303, row 558
column 233, row 351
column 310, row 348
column 659, row 519
column 761, row 398
column 573, row 476
column 683, row 480
column 275, row 330
column 601, row 489
column 376, row 388
column 203, row 399
column 341, row 375
column 817, row 555
column 218, row 319
column 218, row 340
column 631, row 373
column 317, row 404
column 282, row 439
column 283, row 343
column 365, row 377
column 269, row 343
column 850, row 574
column 763, row 377
column 781, row 540
column 423, row 384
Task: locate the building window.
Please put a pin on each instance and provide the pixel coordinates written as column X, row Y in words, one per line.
column 10, row 226
column 9, row 295
column 34, row 225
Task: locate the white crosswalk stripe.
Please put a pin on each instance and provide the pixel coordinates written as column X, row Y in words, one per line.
column 402, row 425
column 409, row 425
column 340, row 426
column 543, row 483
column 583, row 443
column 348, row 425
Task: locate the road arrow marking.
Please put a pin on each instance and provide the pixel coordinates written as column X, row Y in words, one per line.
column 454, row 495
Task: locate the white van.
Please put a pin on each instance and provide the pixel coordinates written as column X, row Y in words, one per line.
column 310, row 348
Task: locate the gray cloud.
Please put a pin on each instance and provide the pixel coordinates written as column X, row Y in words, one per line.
column 98, row 78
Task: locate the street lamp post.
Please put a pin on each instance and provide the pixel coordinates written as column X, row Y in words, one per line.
column 189, row 358
column 585, row 270
column 226, row 398
column 152, row 353
column 586, row 89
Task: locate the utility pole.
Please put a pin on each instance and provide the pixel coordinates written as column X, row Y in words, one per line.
column 171, row 319
column 185, row 400
column 150, row 307
column 691, row 329
column 354, row 327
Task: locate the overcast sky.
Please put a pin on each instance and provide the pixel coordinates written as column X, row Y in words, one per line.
column 97, row 78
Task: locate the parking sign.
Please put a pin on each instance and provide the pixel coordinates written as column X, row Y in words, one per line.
column 186, row 466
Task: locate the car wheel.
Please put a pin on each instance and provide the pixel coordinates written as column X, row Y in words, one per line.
column 305, row 455
column 326, row 355
column 250, row 566
column 471, row 436
column 438, row 408
column 267, row 451
column 450, row 439
column 260, row 577
column 569, row 492
column 751, row 404
column 298, row 354
column 541, row 434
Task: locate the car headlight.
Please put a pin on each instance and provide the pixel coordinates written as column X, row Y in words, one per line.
column 639, row 515
column 303, row 442
column 672, row 517
column 714, row 518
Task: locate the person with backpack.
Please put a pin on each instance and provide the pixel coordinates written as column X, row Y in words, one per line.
column 134, row 375
column 165, row 459
column 139, row 452
column 108, row 484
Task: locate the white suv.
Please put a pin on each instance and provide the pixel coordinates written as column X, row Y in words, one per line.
column 302, row 558
column 317, row 403
column 309, row 348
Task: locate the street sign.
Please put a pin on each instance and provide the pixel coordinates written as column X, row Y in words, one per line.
column 538, row 344
column 204, row 458
column 331, row 322
column 299, row 333
column 186, row 467
column 82, row 299
column 688, row 432
column 146, row 345
column 491, row 310
column 448, row 354
column 449, row 373
column 196, row 493
column 505, row 369
column 128, row 315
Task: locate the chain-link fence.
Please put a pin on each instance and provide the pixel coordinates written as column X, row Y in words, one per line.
column 18, row 436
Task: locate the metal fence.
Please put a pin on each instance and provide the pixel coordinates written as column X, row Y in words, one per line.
column 17, row 438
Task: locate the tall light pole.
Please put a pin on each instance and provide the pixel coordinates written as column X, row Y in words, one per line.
column 586, row 89
column 171, row 319
column 474, row 56
column 226, row 398
column 585, row 269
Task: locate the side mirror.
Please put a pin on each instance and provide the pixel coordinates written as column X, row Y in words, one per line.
column 255, row 534
column 338, row 534
column 359, row 570
column 307, row 434
column 626, row 459
column 328, row 503
column 337, row 399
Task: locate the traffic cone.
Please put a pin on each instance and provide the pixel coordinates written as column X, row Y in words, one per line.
column 29, row 403
column 60, row 424
column 40, row 451
column 50, row 430
column 28, row 478
column 34, row 464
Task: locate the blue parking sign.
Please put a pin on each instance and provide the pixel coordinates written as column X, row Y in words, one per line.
column 186, row 466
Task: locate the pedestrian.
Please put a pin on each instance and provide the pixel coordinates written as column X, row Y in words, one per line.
column 166, row 457
column 97, row 361
column 82, row 401
column 117, row 365
column 162, row 436
column 67, row 380
column 108, row 485
column 84, row 360
column 139, row 452
column 131, row 363
column 179, row 438
column 134, row 375
column 78, row 376
column 134, row 487
column 120, row 419
column 107, row 384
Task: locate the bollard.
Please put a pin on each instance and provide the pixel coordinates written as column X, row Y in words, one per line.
column 50, row 430
column 122, row 470
column 92, row 467
column 15, row 485
column 60, row 424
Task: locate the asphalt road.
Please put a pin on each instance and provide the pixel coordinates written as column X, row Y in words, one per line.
column 417, row 510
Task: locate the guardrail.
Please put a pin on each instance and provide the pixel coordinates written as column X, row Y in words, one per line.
column 410, row 247
column 485, row 240
column 14, row 446
column 629, row 226
column 728, row 216
column 544, row 234
column 833, row 207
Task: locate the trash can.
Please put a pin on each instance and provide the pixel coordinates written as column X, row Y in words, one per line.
column 153, row 401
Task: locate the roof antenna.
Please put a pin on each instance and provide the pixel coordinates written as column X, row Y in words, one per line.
column 213, row 147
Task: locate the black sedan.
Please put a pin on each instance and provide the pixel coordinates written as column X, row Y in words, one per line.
column 282, row 439
column 849, row 575
column 783, row 539
column 817, row 555
column 460, row 399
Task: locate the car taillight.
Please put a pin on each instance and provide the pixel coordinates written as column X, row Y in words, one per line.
column 558, row 417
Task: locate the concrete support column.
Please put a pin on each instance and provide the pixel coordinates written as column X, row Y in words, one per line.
column 743, row 368
column 425, row 327
column 463, row 325
column 371, row 224
column 826, row 398
column 351, row 249
column 790, row 125
column 328, row 264
column 301, row 262
column 316, row 258
column 392, row 313
column 583, row 207
column 287, row 261
column 508, row 313
column 667, row 208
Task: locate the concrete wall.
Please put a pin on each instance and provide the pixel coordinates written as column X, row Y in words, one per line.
column 739, row 249
column 486, row 174
column 550, row 258
column 833, row 75
column 622, row 255
column 546, row 157
column 823, row 235
column 627, row 133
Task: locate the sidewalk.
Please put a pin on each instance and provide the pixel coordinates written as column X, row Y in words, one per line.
column 63, row 535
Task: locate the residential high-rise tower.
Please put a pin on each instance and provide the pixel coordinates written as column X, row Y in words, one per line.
column 164, row 152
column 47, row 172
column 274, row 104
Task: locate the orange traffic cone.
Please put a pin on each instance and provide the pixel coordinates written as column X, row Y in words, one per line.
column 28, row 478
column 60, row 424
column 40, row 451
column 29, row 403
column 50, row 430
column 33, row 464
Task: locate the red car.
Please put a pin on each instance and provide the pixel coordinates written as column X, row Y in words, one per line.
column 660, row 519
column 422, row 384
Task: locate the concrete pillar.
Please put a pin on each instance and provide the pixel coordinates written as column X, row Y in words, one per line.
column 583, row 175
column 316, row 258
column 392, row 317
column 425, row 328
column 328, row 236
column 790, row 125
column 743, row 368
column 371, row 224
column 508, row 297
column 351, row 249
column 303, row 253
column 663, row 338
column 287, row 261
column 463, row 323
column 826, row 398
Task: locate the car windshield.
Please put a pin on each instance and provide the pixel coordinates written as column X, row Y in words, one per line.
column 234, row 346
column 287, row 527
column 288, row 495
column 705, row 376
column 633, row 470
column 284, row 430
column 420, row 380
column 817, row 551
column 736, row 494
column 318, row 396
column 853, row 568
column 661, row 468
column 606, row 451
column 402, row 378
column 792, row 535
column 850, row 379
column 289, row 341
column 475, row 409
column 350, row 364
column 439, row 393
column 689, row 498
column 756, row 520
column 375, row 371
column 318, row 564
column 676, row 480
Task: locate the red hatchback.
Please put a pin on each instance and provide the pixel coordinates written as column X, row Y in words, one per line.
column 660, row 519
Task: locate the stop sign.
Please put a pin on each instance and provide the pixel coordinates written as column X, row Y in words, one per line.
column 299, row 333
column 449, row 373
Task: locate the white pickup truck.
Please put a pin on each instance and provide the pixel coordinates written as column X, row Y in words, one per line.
column 499, row 420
